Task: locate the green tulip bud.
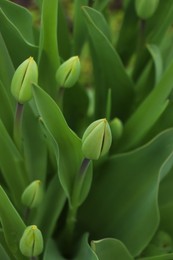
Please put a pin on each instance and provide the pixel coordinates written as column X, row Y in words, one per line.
column 33, row 194
column 24, row 76
column 68, row 73
column 31, row 242
column 146, row 8
column 116, row 128
column 97, row 139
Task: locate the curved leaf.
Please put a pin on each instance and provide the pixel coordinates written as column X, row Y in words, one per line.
column 110, row 248
column 123, row 201
column 69, row 145
column 12, row 224
column 109, row 70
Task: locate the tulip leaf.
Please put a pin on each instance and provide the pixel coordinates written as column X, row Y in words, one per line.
column 146, row 115
column 6, row 65
column 35, row 151
column 11, row 34
column 13, row 225
column 79, row 26
column 48, row 213
column 156, row 55
column 69, row 145
column 48, row 59
column 6, row 112
column 110, row 248
column 85, row 252
column 159, row 257
column 130, row 183
column 109, row 70
column 51, row 251
column 14, row 172
column 25, row 27
column 3, row 253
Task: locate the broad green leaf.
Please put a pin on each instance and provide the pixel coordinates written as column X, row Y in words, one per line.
column 51, row 251
column 48, row 59
column 11, row 34
column 166, row 203
column 35, row 151
column 110, row 248
column 128, row 34
column 6, row 112
column 64, row 43
column 12, row 165
column 146, row 115
column 123, row 201
column 109, row 70
column 79, row 34
column 50, row 209
column 16, row 14
column 158, row 63
column 100, row 4
column 75, row 110
column 13, row 225
column 3, row 253
column 161, row 257
column 6, row 65
column 85, row 252
column 156, row 30
column 69, row 145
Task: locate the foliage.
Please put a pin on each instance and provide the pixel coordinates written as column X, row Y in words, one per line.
column 121, row 205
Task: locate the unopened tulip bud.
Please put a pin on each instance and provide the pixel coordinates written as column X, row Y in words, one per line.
column 24, row 76
column 146, row 8
column 33, row 194
column 116, row 128
column 31, row 243
column 68, row 73
column 97, row 139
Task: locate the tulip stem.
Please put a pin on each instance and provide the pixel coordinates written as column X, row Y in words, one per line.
column 17, row 130
column 72, row 213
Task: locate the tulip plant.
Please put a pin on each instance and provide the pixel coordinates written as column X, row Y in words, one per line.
column 86, row 130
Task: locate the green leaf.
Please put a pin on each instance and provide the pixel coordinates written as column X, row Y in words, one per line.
column 156, row 31
column 79, row 34
column 48, row 59
column 158, row 63
column 49, row 212
column 64, row 43
column 11, row 34
column 126, row 188
column 16, row 14
column 6, row 109
column 14, row 172
column 160, row 257
column 35, row 150
column 109, row 70
column 51, row 251
column 69, row 145
column 85, row 252
column 110, row 248
column 6, row 65
column 3, row 253
column 146, row 115
column 12, row 224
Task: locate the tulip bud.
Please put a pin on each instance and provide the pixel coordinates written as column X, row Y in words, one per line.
column 146, row 8
column 33, row 194
column 116, row 128
column 31, row 242
column 97, row 139
column 68, row 73
column 24, row 76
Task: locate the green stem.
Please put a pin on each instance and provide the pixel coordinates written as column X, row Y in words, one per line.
column 17, row 130
column 72, row 213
